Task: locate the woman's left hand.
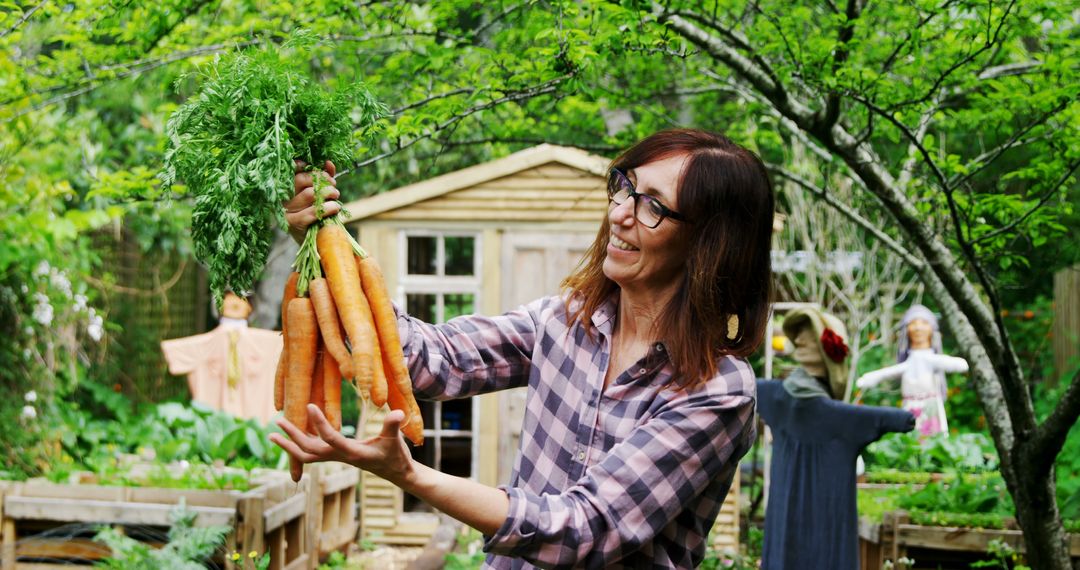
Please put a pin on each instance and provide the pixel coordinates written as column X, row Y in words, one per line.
column 385, row 455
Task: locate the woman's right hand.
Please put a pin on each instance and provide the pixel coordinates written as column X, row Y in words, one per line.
column 300, row 210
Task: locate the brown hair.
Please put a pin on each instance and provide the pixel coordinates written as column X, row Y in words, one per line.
column 727, row 196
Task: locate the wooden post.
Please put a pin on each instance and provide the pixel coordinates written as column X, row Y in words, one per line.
column 1066, row 325
column 251, row 531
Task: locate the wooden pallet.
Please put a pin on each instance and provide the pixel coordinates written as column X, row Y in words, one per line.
column 271, row 517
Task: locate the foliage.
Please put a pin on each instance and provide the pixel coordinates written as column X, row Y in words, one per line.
column 968, row 452
column 189, row 547
column 92, row 435
column 233, row 144
column 1003, row 557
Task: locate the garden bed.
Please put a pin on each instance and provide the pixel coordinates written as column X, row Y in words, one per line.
column 295, row 523
column 896, row 536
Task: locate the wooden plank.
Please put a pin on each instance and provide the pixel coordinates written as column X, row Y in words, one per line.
column 285, row 511
column 65, row 548
column 65, row 510
column 301, row 563
column 517, row 184
column 193, row 497
column 585, row 204
column 55, row 491
column 415, row 214
column 341, row 480
column 967, row 539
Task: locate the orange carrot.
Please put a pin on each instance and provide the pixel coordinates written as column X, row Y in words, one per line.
column 413, row 424
column 318, row 397
column 303, row 342
column 336, row 255
column 390, row 342
column 283, row 360
column 329, row 325
column 331, row 381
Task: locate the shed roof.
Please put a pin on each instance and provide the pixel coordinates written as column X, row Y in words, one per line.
column 474, row 175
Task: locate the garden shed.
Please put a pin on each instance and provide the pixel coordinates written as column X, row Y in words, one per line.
column 483, row 239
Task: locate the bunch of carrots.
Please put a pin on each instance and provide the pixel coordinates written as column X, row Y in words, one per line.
column 338, row 322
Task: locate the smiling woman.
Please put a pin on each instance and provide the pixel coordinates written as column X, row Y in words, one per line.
column 639, row 398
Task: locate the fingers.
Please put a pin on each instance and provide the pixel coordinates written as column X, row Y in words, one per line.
column 392, row 424
column 304, row 180
column 330, row 168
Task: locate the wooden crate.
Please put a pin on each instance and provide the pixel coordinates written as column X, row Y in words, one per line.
column 895, row 537
column 271, row 517
column 337, row 485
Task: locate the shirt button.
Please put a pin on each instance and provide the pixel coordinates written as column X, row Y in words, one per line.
column 642, row 371
column 581, row 456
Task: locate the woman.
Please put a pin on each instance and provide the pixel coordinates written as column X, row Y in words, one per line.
column 640, row 401
column 921, row 368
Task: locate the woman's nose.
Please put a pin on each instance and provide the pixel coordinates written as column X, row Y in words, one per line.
column 622, row 214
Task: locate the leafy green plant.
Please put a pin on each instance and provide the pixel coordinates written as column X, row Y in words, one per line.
column 968, row 452
column 1003, row 557
column 233, row 144
column 189, row 547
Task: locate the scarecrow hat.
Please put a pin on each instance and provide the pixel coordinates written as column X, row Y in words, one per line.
column 831, row 335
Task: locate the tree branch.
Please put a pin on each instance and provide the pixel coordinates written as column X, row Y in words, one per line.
column 847, row 31
column 1049, row 438
column 1042, row 202
column 850, row 214
column 26, row 16
column 544, row 88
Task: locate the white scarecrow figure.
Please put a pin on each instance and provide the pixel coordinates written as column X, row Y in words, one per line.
column 921, row 368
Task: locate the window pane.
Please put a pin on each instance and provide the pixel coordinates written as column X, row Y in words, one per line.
column 457, row 304
column 459, row 255
column 456, row 456
column 422, row 252
column 457, row 414
column 421, row 306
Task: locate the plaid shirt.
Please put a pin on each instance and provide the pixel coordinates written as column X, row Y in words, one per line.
column 628, row 477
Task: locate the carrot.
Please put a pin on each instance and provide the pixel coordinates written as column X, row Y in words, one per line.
column 331, row 381
column 336, row 253
column 283, row 360
column 318, row 396
column 303, row 342
column 329, row 324
column 413, row 424
column 374, row 286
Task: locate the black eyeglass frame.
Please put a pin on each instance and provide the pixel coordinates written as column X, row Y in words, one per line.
column 664, row 211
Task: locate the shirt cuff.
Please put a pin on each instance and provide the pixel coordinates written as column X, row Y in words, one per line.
column 519, row 528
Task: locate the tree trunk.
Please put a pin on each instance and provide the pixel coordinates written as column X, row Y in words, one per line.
column 1037, row 512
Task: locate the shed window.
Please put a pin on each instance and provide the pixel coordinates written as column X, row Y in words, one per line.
column 440, row 281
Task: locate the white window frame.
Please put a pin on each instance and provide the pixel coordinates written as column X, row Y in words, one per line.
column 441, row 284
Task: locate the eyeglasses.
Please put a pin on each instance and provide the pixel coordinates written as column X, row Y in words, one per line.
column 647, row 209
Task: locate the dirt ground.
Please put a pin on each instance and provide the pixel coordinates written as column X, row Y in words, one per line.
column 383, row 558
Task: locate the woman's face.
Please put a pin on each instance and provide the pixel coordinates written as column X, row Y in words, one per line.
column 919, row 332
column 639, row 257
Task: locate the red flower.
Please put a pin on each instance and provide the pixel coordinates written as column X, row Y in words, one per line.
column 833, row 346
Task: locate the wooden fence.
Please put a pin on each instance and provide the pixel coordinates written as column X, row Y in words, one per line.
column 1066, row 329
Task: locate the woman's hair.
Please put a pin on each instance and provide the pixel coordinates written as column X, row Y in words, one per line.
column 727, row 196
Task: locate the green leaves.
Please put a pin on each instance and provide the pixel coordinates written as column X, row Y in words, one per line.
column 234, row 142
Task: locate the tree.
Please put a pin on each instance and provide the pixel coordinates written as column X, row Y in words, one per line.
column 883, row 89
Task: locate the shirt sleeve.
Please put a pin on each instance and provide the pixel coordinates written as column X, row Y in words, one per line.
column 626, row 499
column 871, row 379
column 946, row 363
column 472, row 354
column 869, row 423
column 183, row 355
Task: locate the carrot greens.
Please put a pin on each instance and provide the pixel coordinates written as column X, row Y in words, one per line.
column 233, row 144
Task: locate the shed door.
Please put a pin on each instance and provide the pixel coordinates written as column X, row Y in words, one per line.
column 533, row 265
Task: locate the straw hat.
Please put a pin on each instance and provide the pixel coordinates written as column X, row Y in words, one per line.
column 831, row 335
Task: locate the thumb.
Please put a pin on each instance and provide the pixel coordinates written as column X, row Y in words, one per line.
column 392, row 424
